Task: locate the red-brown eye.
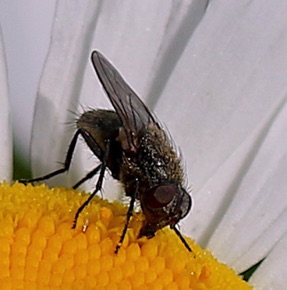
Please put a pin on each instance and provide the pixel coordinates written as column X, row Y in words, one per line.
column 160, row 196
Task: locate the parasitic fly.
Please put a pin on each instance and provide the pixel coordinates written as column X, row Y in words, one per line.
column 136, row 150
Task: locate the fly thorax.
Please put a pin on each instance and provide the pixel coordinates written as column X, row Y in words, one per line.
column 158, row 159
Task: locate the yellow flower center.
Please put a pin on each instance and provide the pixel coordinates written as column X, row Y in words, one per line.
column 39, row 250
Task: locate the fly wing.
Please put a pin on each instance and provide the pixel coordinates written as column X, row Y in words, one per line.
column 133, row 113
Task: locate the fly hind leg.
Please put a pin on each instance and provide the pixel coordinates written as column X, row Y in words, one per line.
column 67, row 162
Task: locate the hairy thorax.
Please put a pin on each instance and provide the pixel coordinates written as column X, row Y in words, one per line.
column 156, row 161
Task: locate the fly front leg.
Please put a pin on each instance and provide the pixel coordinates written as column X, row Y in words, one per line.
column 173, row 227
column 129, row 215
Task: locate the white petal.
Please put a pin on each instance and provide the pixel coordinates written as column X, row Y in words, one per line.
column 79, row 28
column 5, row 125
column 61, row 83
column 26, row 29
column 140, row 55
column 137, row 44
column 256, row 218
column 229, row 82
column 271, row 275
column 231, row 75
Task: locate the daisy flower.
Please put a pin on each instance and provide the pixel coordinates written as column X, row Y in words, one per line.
column 215, row 75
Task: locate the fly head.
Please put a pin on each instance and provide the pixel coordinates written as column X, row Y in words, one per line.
column 163, row 205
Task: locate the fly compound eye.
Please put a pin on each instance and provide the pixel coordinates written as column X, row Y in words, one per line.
column 160, row 196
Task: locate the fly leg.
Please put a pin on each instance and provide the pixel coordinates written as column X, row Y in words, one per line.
column 102, row 166
column 181, row 237
column 66, row 164
column 129, row 215
column 88, row 176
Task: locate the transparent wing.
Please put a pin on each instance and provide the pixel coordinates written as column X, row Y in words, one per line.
column 129, row 107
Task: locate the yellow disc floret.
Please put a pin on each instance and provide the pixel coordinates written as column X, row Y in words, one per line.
column 39, row 250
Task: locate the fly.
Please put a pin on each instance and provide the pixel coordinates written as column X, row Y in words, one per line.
column 138, row 153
